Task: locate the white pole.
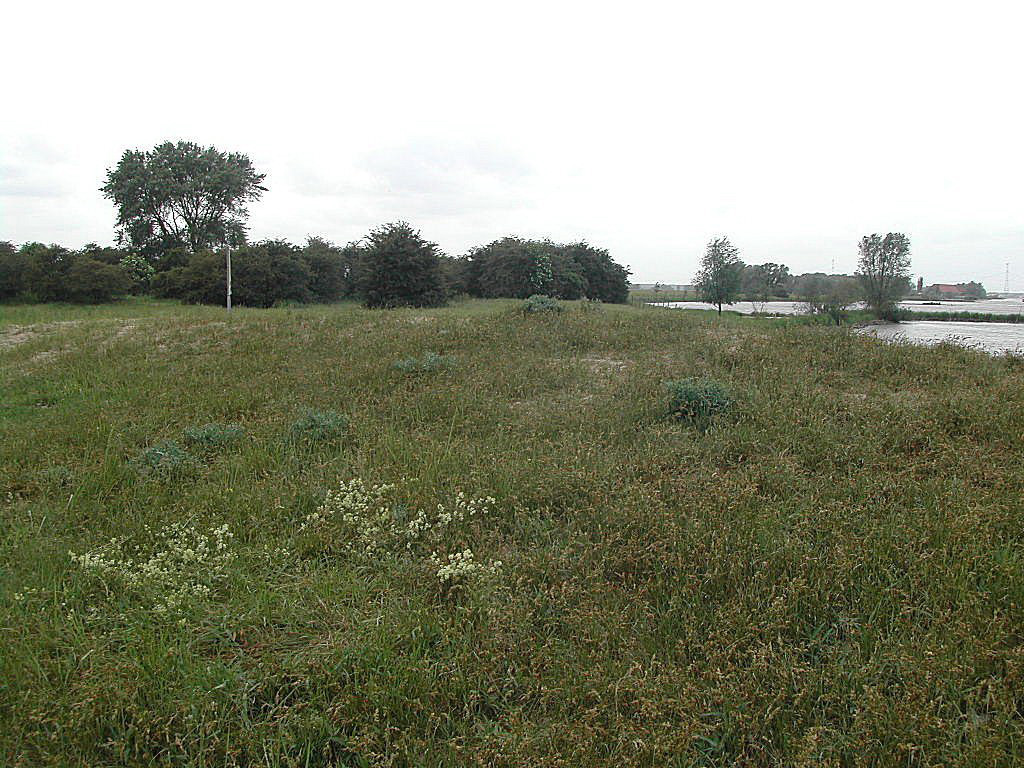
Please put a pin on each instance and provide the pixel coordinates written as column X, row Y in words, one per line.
column 229, row 278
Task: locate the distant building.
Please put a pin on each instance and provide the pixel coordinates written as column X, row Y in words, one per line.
column 945, row 291
column 960, row 291
column 661, row 287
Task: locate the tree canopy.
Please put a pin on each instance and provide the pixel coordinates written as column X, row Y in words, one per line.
column 182, row 195
column 720, row 275
column 884, row 270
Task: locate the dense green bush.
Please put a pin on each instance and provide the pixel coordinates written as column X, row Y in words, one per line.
column 41, row 273
column 12, row 271
column 393, row 267
column 698, row 401
column 92, row 282
column 262, row 275
column 398, row 268
column 140, row 271
column 331, row 269
column 517, row 268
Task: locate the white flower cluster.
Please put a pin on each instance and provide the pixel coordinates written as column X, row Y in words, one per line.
column 462, row 509
column 21, row 597
column 364, row 521
column 461, row 567
column 182, row 568
column 362, row 511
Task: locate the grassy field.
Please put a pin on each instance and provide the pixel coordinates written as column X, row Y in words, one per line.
column 831, row 575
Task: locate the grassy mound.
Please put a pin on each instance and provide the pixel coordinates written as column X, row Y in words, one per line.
column 520, row 562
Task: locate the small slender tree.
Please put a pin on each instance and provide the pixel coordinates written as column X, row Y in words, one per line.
column 721, row 273
column 884, row 270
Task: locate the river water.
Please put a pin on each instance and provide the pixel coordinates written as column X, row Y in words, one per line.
column 989, row 337
column 991, row 306
column 995, row 338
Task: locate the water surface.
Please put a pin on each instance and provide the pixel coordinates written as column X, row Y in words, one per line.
column 991, row 306
column 989, row 337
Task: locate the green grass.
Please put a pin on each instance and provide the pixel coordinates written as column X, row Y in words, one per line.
column 831, row 574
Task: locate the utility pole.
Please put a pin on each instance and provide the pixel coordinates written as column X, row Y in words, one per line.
column 229, row 277
column 1006, row 283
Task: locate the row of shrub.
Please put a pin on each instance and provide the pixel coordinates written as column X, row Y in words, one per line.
column 263, row 274
column 392, row 266
column 40, row 273
column 516, row 268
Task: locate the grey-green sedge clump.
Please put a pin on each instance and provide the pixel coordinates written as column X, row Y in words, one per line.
column 698, row 401
column 213, row 437
column 315, row 427
column 163, row 459
column 428, row 362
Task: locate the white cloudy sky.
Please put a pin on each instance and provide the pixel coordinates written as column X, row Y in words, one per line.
column 648, row 128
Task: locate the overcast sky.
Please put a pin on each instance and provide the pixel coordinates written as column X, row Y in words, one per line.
column 647, row 128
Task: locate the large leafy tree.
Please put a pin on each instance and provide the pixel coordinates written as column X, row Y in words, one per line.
column 762, row 281
column 182, row 195
column 884, row 270
column 721, row 273
column 604, row 278
column 398, row 268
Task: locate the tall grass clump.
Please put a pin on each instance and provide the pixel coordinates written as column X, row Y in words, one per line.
column 698, row 401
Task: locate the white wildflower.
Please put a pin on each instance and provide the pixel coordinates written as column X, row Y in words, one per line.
column 181, row 569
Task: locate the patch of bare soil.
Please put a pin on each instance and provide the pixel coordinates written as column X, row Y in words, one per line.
column 604, row 364
column 14, row 335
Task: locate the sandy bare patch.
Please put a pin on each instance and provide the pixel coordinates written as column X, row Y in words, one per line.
column 604, row 364
column 14, row 335
column 46, row 356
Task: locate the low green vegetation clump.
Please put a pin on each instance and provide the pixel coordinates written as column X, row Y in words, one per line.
column 538, row 304
column 163, row 459
column 213, row 437
column 968, row 317
column 428, row 362
column 698, row 401
column 320, row 427
column 831, row 575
